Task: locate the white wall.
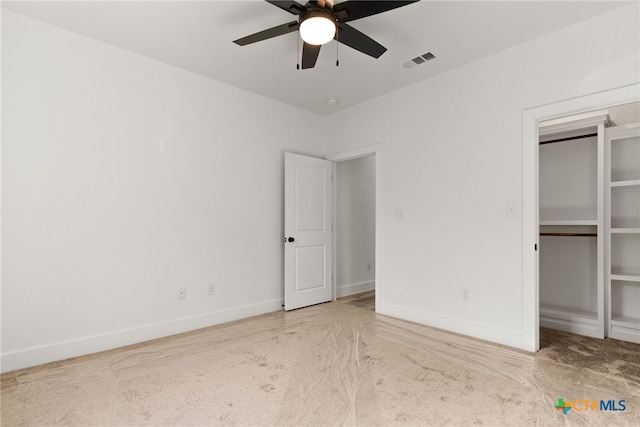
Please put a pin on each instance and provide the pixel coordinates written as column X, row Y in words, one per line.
column 453, row 160
column 124, row 179
column 355, row 226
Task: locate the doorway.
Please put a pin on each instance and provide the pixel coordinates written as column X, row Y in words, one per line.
column 358, row 211
column 355, row 226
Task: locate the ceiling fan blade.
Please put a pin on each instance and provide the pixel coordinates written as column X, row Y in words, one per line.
column 310, row 55
column 267, row 34
column 290, row 6
column 356, row 9
column 353, row 38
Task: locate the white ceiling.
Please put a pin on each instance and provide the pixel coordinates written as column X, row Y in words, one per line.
column 197, row 36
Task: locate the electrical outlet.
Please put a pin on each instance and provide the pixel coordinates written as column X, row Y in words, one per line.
column 182, row 293
column 466, row 295
column 368, row 266
column 212, row 289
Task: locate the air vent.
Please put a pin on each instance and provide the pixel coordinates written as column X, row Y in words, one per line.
column 419, row 60
column 428, row 56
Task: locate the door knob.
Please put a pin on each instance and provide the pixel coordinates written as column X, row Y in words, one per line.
column 291, row 239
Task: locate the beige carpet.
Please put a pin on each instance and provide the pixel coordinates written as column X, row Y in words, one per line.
column 332, row 364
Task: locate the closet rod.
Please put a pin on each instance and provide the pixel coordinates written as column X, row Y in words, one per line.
column 570, row 234
column 569, row 138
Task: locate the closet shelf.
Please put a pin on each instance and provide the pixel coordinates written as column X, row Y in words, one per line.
column 626, row 184
column 569, row 222
column 625, row 277
column 625, row 230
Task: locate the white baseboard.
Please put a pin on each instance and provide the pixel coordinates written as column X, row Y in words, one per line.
column 573, row 326
column 355, row 288
column 87, row 345
column 506, row 337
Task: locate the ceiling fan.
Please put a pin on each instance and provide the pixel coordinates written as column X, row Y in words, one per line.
column 320, row 21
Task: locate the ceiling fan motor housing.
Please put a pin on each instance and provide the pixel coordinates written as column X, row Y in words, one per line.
column 316, row 12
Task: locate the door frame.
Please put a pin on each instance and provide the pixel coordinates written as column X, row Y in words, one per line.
column 369, row 150
column 530, row 221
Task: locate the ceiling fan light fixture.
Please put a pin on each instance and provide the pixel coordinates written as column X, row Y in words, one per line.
column 317, row 29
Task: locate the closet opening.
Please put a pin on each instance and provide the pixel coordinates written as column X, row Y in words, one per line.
column 589, row 224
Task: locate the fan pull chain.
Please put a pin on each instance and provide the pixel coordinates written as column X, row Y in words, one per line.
column 298, row 52
column 337, row 44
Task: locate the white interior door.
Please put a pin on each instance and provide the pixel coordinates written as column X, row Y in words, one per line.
column 307, row 227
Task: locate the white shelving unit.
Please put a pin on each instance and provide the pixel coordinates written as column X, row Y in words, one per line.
column 571, row 219
column 622, row 152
